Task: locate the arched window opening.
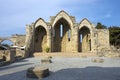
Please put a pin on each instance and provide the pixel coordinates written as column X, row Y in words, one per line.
column 84, row 40
column 81, row 37
column 62, row 36
column 69, row 34
column 61, row 30
column 90, row 44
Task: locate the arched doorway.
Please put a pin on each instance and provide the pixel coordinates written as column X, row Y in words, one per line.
column 40, row 39
column 6, row 43
column 62, row 36
column 84, row 40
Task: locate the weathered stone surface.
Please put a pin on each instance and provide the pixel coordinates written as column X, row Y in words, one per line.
column 37, row 72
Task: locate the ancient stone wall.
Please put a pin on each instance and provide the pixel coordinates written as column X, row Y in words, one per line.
column 92, row 39
column 20, row 40
column 103, row 39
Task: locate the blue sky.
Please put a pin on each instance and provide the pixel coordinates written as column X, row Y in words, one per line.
column 15, row 14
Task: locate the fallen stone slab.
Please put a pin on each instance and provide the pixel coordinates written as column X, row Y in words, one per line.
column 37, row 72
column 98, row 60
column 46, row 60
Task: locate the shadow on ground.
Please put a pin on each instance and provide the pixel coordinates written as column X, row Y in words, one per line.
column 13, row 66
column 88, row 73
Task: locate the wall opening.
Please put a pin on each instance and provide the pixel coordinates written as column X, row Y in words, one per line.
column 40, row 39
column 80, row 40
column 69, row 34
column 61, row 30
column 62, row 36
column 84, row 42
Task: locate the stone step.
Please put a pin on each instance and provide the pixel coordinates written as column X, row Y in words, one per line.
column 61, row 54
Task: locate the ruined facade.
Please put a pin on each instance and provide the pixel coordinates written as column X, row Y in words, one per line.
column 64, row 34
column 17, row 48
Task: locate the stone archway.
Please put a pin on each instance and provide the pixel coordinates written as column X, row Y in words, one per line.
column 40, row 39
column 7, row 41
column 84, row 40
column 62, row 38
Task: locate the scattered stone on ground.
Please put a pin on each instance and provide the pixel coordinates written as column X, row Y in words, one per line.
column 98, row 60
column 37, row 72
column 46, row 60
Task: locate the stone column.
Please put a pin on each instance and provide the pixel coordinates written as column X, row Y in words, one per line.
column 93, row 41
column 27, row 41
column 49, row 38
column 11, row 55
column 75, row 39
column 32, row 38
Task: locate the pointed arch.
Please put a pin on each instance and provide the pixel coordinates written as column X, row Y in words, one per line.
column 41, row 22
column 85, row 22
column 40, row 39
column 86, row 30
column 41, row 35
column 65, row 16
column 62, row 26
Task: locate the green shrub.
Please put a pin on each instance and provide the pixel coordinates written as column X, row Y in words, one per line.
column 47, row 49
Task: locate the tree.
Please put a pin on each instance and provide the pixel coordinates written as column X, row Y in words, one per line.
column 100, row 26
column 114, row 35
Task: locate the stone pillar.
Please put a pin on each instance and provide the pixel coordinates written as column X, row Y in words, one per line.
column 49, row 39
column 32, row 38
column 93, row 41
column 11, row 55
column 27, row 44
column 29, row 47
column 52, row 39
column 75, row 39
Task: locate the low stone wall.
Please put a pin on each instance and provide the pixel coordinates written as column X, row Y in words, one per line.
column 20, row 52
column 60, row 54
column 5, row 53
column 9, row 55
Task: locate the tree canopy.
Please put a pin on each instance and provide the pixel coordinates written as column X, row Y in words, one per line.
column 100, row 26
column 114, row 35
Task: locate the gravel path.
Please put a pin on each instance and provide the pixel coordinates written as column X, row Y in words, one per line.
column 65, row 69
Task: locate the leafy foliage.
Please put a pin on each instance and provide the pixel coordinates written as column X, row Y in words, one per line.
column 47, row 49
column 100, row 26
column 114, row 35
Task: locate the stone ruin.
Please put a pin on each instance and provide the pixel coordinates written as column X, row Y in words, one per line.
column 13, row 53
column 61, row 34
